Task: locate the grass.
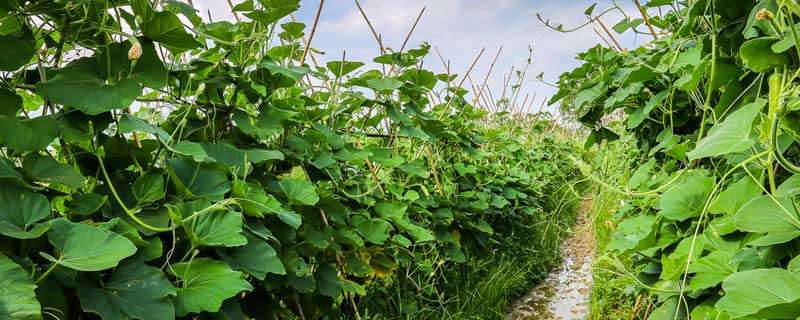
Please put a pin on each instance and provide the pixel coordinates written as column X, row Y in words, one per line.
column 610, row 297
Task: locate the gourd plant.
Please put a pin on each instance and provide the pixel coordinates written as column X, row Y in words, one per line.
column 711, row 221
column 156, row 165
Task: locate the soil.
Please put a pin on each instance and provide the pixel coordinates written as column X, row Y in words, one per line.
column 564, row 294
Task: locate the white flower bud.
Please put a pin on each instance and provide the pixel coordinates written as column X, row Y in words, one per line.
column 136, row 51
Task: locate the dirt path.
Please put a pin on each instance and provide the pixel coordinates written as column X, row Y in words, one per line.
column 564, row 294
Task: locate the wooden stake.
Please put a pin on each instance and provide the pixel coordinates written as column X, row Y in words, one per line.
column 646, row 19
column 313, row 30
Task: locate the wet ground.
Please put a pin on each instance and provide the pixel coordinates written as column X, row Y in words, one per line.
column 564, row 294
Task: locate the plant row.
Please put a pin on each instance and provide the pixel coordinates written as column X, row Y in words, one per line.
column 154, row 165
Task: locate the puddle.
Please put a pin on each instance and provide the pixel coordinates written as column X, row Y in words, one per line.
column 564, row 294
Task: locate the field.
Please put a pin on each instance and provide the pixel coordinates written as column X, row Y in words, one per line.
column 157, row 165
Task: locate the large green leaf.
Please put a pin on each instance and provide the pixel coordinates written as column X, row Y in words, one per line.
column 197, row 180
column 149, row 188
column 341, row 68
column 134, row 291
column 49, row 170
column 165, row 28
column 634, row 233
column 205, row 284
column 712, row 269
column 274, row 10
column 687, row 198
column 372, row 229
column 28, row 134
column 299, row 191
column 86, row 248
column 207, row 226
column 81, row 85
column 17, row 297
column 148, row 68
column 762, row 293
column 776, row 216
column 737, row 194
column 20, row 211
column 10, row 103
column 128, row 124
column 256, row 258
column 729, row 136
column 19, row 49
column 757, row 54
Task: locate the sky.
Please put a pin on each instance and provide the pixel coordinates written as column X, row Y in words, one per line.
column 459, row 29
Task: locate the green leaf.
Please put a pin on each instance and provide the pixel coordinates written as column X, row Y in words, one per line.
column 86, row 248
column 736, row 195
column 129, row 124
column 20, row 48
column 205, row 284
column 81, row 85
column 391, row 210
column 28, row 134
column 20, row 210
column 341, row 68
column 49, row 170
column 761, row 293
column 790, row 187
column 197, row 180
column 757, row 55
column 190, row 149
column 165, row 28
column 729, row 136
column 640, row 114
column 149, row 69
column 299, row 191
column 633, row 234
column 210, row 227
column 711, row 270
column 256, row 258
column 134, row 291
column 149, row 188
column 10, row 103
column 668, row 310
column 687, row 198
column 384, row 85
column 86, row 204
column 768, row 214
column 274, row 10
column 17, row 298
column 372, row 229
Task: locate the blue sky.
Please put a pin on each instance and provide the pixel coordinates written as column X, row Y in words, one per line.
column 459, row 29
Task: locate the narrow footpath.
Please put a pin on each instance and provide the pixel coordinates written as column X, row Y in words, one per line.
column 564, row 294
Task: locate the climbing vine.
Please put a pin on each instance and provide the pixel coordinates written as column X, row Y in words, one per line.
column 157, row 165
column 711, row 221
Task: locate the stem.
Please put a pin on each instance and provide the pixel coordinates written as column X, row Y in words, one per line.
column 709, row 88
column 122, row 204
column 793, row 28
column 46, row 273
column 777, row 153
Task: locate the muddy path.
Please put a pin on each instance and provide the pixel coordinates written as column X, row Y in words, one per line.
column 564, row 294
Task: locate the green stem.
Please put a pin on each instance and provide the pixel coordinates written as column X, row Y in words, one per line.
column 711, row 79
column 122, row 204
column 46, row 273
column 793, row 28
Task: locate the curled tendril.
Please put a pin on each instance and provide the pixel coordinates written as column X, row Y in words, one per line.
column 791, row 167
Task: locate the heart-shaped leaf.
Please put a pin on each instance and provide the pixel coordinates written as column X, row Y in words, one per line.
column 82, row 86
column 134, row 291
column 17, row 297
column 205, row 284
column 20, row 210
column 86, row 248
